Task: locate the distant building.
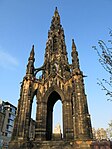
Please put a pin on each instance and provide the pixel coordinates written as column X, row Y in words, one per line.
column 7, row 114
column 57, row 135
column 1, row 125
column 100, row 134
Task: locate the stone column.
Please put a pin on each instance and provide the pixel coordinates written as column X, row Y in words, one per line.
column 49, row 125
column 81, row 117
column 40, row 132
column 67, row 120
column 24, row 119
column 28, row 118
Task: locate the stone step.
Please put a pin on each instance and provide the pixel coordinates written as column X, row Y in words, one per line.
column 55, row 144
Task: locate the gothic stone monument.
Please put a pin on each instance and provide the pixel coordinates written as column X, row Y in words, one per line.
column 59, row 81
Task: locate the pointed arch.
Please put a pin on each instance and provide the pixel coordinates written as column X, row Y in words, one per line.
column 56, row 89
column 33, row 112
column 58, row 116
column 52, row 99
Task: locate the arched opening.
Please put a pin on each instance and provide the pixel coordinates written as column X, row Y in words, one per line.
column 57, row 117
column 39, row 75
column 34, row 107
column 33, row 119
column 52, row 99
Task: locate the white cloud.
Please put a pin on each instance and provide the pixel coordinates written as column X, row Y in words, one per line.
column 7, row 60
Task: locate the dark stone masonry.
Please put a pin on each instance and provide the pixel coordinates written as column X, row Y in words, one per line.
column 59, row 81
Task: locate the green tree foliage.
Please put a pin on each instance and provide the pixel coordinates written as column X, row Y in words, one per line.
column 104, row 52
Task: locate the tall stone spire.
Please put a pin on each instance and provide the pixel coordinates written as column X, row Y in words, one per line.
column 55, row 20
column 30, row 66
column 74, row 54
column 55, row 53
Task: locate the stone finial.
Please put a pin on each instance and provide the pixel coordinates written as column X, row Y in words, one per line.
column 73, row 45
column 74, row 54
column 56, row 19
column 30, row 65
column 32, row 53
column 56, row 12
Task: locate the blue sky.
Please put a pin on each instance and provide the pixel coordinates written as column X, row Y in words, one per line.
column 25, row 22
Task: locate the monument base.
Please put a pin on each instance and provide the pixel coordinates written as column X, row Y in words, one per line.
column 62, row 144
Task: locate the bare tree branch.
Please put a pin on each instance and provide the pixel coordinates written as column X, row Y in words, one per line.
column 104, row 53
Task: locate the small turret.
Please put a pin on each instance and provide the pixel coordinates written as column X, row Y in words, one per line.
column 30, row 66
column 74, row 54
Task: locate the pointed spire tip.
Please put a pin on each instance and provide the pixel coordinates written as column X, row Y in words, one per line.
column 56, row 11
column 73, row 44
column 32, row 53
column 73, row 40
column 55, row 19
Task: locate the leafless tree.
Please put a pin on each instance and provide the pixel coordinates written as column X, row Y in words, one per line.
column 104, row 52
